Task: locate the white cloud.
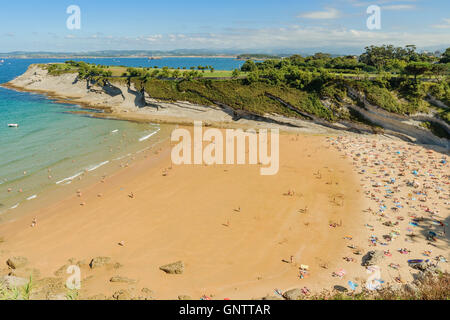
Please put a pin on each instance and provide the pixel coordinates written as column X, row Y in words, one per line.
column 399, row 7
column 328, row 13
column 295, row 37
column 445, row 25
column 153, row 38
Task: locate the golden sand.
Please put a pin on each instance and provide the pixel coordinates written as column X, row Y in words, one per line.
column 235, row 230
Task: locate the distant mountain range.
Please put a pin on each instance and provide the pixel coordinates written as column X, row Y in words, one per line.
column 188, row 52
column 150, row 53
column 115, row 54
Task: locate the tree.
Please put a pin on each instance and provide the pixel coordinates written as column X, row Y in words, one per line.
column 417, row 68
column 155, row 73
column 379, row 56
column 165, row 73
column 249, row 66
column 396, row 65
column 439, row 70
column 176, row 74
column 252, row 77
column 236, row 73
column 297, row 60
column 446, row 56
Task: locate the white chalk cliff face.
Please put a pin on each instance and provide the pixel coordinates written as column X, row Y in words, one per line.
column 117, row 97
column 129, row 103
column 126, row 102
column 68, row 85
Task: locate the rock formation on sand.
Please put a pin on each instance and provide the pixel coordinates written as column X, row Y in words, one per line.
column 173, row 268
column 16, row 262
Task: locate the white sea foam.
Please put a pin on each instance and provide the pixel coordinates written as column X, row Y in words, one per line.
column 149, row 136
column 32, row 197
column 95, row 167
column 69, row 179
column 15, row 206
column 119, row 158
column 115, row 131
column 89, row 169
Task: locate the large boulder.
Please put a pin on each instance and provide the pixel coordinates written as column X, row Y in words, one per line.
column 173, row 268
column 424, row 266
column 122, row 295
column 99, row 262
column 421, row 266
column 372, row 258
column 17, row 262
column 120, row 279
column 48, row 288
column 294, row 294
column 410, row 288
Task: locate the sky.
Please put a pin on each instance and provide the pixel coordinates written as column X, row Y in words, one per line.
column 335, row 26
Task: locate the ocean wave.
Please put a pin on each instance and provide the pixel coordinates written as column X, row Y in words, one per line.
column 123, row 157
column 95, row 167
column 70, row 179
column 15, row 206
column 89, row 169
column 32, row 197
column 119, row 158
column 149, row 136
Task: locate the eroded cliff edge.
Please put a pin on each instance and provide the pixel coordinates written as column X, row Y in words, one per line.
column 119, row 98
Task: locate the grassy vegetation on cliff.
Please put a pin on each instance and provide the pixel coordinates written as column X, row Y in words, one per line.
column 237, row 95
column 387, row 77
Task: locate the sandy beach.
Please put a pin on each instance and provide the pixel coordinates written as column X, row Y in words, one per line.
column 342, row 208
column 241, row 235
column 230, row 226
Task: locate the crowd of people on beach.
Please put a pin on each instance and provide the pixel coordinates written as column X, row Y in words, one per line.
column 407, row 187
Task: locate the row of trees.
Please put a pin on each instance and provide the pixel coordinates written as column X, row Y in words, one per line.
column 164, row 73
column 317, row 61
column 381, row 57
column 394, row 60
column 86, row 70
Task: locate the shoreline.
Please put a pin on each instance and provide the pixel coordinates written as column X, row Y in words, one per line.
column 276, row 271
column 172, row 113
column 81, row 178
column 232, row 246
column 352, row 194
column 127, row 57
column 122, row 101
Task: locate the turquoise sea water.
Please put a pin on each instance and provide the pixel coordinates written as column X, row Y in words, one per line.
column 52, row 147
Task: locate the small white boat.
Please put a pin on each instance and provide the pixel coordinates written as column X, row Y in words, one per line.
column 13, row 125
